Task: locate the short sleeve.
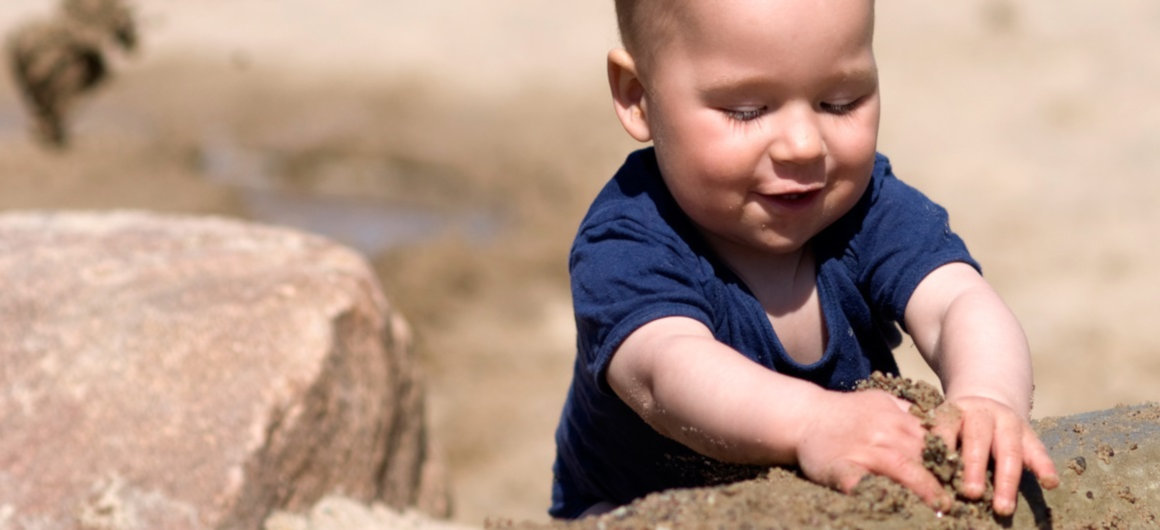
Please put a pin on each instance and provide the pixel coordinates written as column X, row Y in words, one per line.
column 624, row 275
column 903, row 236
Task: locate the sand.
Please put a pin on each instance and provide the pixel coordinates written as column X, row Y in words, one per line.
column 1028, row 120
column 1120, row 488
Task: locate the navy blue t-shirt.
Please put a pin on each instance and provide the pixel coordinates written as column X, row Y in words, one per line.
column 637, row 257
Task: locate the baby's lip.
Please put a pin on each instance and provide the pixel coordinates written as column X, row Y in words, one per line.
column 791, row 199
column 793, row 193
column 793, row 196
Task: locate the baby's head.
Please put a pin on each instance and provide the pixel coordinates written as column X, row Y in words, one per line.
column 763, row 113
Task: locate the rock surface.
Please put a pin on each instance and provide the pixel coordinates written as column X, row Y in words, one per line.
column 181, row 373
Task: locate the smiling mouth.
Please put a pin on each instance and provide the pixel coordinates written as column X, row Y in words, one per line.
column 794, row 197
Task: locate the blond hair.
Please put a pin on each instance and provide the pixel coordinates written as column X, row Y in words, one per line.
column 645, row 25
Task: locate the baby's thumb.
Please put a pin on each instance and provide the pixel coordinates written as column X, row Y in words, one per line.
column 845, row 476
column 947, row 424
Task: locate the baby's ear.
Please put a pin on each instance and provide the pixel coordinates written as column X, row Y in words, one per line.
column 628, row 94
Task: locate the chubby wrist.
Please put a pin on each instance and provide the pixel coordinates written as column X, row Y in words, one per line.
column 1011, row 388
column 777, row 436
column 804, row 420
column 1018, row 404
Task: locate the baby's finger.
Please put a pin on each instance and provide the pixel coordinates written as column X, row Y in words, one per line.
column 978, row 431
column 902, row 404
column 1036, row 459
column 1008, row 447
column 914, row 477
column 948, row 423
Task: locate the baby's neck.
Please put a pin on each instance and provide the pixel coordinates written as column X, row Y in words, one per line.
column 782, row 282
column 786, row 287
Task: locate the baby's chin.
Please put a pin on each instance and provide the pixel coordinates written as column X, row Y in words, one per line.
column 767, row 243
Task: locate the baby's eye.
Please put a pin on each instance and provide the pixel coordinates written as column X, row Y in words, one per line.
column 839, row 108
column 748, row 114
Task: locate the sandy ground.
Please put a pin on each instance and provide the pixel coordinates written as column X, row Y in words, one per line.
column 1108, row 481
column 1030, row 121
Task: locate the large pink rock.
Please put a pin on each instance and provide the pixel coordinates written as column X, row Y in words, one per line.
column 180, row 373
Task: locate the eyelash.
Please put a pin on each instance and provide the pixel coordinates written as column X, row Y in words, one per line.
column 744, row 115
column 840, row 108
column 748, row 115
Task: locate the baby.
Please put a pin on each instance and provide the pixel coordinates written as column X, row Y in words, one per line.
column 735, row 280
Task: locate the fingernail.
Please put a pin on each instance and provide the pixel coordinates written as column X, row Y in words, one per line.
column 1004, row 507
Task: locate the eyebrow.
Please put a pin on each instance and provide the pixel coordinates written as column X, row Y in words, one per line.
column 727, row 86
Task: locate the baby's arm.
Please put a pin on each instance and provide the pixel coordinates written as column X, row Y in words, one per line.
column 698, row 391
column 977, row 348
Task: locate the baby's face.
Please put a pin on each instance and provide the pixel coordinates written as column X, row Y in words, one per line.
column 764, row 114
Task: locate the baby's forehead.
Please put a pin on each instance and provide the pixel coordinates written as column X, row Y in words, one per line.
column 654, row 24
column 649, row 16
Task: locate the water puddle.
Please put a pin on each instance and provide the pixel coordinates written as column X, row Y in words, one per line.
column 369, row 226
column 366, row 222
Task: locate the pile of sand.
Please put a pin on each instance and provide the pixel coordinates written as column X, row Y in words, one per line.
column 1109, row 464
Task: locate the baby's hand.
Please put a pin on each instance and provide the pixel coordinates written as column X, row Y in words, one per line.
column 867, row 432
column 986, row 428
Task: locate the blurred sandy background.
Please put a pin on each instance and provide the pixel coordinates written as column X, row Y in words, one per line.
column 457, row 143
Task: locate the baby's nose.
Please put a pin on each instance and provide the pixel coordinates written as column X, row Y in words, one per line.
column 797, row 137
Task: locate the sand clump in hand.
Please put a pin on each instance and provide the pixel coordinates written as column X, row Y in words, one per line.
column 942, row 461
